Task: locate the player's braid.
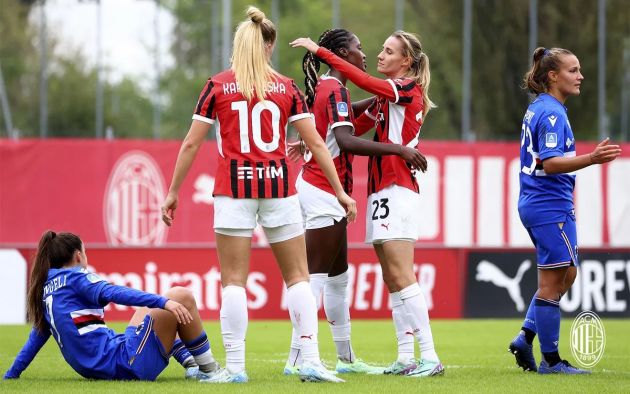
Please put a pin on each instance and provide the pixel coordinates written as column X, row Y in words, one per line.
column 333, row 40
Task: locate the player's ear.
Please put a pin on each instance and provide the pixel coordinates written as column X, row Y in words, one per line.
column 343, row 52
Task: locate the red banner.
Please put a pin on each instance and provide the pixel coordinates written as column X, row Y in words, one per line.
column 109, row 192
column 440, row 274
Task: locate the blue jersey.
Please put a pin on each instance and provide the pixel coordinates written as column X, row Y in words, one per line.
column 74, row 299
column 545, row 133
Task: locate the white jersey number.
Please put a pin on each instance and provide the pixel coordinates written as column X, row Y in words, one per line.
column 243, row 116
column 527, row 136
column 49, row 309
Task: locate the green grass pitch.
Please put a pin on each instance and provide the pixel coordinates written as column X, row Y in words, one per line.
column 474, row 353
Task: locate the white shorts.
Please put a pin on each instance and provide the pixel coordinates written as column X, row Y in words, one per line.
column 319, row 208
column 238, row 217
column 392, row 214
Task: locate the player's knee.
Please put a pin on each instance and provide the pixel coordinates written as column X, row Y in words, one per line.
column 182, row 295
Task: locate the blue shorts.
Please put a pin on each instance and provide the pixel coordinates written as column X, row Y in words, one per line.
column 556, row 244
column 146, row 354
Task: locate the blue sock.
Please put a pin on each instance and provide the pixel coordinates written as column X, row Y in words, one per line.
column 548, row 324
column 529, row 324
column 181, row 354
column 199, row 345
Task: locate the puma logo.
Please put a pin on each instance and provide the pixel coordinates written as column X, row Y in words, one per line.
column 332, row 323
column 488, row 272
column 306, row 336
column 409, row 333
column 385, row 225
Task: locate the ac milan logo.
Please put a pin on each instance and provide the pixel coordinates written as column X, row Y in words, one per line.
column 131, row 207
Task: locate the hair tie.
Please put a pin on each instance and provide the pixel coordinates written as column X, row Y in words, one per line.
column 546, row 52
column 54, row 234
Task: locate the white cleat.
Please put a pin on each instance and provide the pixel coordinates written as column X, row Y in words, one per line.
column 225, row 376
column 310, row 372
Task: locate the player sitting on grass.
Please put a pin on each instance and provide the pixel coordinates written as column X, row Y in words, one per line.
column 66, row 301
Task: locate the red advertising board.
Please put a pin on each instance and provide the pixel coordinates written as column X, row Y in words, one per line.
column 110, row 192
column 440, row 273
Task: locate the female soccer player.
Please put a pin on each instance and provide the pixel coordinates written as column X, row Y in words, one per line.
column 401, row 104
column 325, row 224
column 252, row 103
column 545, row 205
column 66, row 301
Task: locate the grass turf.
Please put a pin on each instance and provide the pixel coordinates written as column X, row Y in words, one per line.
column 474, row 353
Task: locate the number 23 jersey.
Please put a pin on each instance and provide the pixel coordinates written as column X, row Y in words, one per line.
column 545, row 133
column 251, row 136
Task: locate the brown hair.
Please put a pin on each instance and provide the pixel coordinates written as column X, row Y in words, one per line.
column 536, row 79
column 249, row 60
column 419, row 67
column 54, row 251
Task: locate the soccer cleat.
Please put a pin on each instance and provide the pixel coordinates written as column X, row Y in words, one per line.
column 310, row 372
column 191, row 373
column 225, row 376
column 562, row 367
column 358, row 366
column 291, row 369
column 398, row 368
column 523, row 352
column 427, row 368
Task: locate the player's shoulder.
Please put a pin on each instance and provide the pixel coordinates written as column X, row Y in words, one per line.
column 81, row 273
column 405, row 83
column 224, row 76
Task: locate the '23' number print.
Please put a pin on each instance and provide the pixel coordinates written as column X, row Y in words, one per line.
column 380, row 205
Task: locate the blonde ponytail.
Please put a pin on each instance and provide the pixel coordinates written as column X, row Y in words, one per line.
column 250, row 61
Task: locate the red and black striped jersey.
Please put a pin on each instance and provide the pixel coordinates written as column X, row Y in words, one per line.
column 251, row 135
column 331, row 108
column 397, row 113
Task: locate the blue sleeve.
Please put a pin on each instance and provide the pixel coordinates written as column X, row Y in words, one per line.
column 98, row 291
column 550, row 133
column 30, row 349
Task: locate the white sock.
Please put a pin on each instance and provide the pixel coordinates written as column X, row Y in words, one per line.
column 303, row 312
column 317, row 282
column 404, row 332
column 234, row 326
column 295, row 353
column 338, row 315
column 418, row 315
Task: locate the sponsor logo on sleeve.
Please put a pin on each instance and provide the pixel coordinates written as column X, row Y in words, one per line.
column 342, row 109
column 551, row 140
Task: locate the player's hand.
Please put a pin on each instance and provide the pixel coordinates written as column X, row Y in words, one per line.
column 168, row 208
column 604, row 152
column 349, row 205
column 295, row 150
column 182, row 314
column 305, row 43
column 414, row 158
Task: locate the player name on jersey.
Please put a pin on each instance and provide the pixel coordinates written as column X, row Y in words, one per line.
column 272, row 87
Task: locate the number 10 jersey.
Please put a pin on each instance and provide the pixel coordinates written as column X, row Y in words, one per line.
column 251, row 135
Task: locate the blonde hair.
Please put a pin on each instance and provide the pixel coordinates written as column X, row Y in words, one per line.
column 419, row 68
column 536, row 79
column 250, row 62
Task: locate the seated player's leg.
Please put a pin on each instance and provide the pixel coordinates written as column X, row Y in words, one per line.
column 192, row 335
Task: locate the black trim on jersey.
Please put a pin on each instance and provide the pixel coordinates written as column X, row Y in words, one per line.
column 261, row 180
column 234, row 177
column 203, row 97
column 407, row 87
column 346, row 99
column 405, row 100
column 348, row 178
column 247, row 183
column 333, row 107
column 86, row 323
column 208, row 113
column 274, row 181
column 301, row 97
column 285, row 177
column 371, row 181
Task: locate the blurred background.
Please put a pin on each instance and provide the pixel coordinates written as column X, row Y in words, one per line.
column 133, row 69
column 96, row 96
